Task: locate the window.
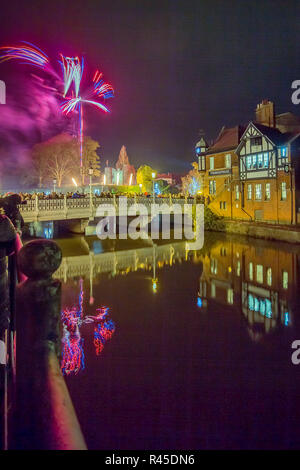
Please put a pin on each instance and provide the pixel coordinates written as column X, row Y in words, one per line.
column 249, row 191
column 259, row 273
column 269, row 276
column 202, row 162
column 285, row 279
column 212, row 187
column 211, row 163
column 230, row 296
column 283, row 191
column 260, row 160
column 237, row 191
column 258, row 192
column 268, row 191
column 266, row 160
column 251, row 271
column 228, row 160
column 254, row 161
column 256, row 141
column 249, row 162
column 283, row 152
column 223, row 205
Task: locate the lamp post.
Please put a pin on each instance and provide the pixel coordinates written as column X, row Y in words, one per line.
column 153, row 189
column 91, row 171
column 54, row 185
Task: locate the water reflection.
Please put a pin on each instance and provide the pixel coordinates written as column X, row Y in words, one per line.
column 202, row 354
column 73, row 359
column 257, row 279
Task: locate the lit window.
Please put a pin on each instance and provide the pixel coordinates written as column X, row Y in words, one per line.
column 269, row 276
column 211, row 163
column 283, row 152
column 212, row 187
column 249, row 161
column 268, row 191
column 285, row 279
column 230, row 296
column 266, row 160
column 202, row 162
column 259, row 273
column 283, row 191
column 249, row 191
column 254, row 161
column 258, row 191
column 228, row 160
column 251, row 271
column 237, row 191
column 260, row 160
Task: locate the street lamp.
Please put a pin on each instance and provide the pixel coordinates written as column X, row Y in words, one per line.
column 54, row 185
column 153, row 191
column 91, row 171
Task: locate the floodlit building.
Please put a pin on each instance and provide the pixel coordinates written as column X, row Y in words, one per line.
column 252, row 173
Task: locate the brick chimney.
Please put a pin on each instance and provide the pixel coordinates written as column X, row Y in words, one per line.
column 265, row 113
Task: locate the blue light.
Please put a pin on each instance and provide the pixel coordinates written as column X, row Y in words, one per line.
column 198, row 150
column 199, row 302
column 286, row 318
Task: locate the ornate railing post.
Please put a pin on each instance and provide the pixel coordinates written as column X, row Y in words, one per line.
column 45, row 417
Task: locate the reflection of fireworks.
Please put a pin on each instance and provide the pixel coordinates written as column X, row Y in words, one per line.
column 72, row 319
column 72, row 353
column 103, row 332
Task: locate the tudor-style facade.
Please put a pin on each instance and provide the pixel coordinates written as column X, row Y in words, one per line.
column 267, row 166
column 252, row 173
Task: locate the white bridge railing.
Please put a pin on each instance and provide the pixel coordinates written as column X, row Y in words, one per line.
column 69, row 208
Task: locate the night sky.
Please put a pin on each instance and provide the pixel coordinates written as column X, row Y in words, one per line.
column 177, row 66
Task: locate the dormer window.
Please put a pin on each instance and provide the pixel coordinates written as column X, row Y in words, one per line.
column 255, row 141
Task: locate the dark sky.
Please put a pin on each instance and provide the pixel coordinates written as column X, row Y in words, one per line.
column 177, row 66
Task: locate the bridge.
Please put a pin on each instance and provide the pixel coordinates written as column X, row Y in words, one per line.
column 46, row 210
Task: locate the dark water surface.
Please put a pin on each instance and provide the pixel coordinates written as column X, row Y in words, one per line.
column 194, row 353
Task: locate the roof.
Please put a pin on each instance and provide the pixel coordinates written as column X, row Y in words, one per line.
column 277, row 137
column 228, row 139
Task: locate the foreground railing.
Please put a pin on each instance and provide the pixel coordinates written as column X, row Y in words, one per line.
column 44, row 416
column 7, row 324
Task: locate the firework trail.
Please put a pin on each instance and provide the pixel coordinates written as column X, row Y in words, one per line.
column 68, row 86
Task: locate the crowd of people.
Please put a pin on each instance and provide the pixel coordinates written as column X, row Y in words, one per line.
column 107, row 194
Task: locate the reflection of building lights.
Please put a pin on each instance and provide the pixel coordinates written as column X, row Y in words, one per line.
column 154, row 286
column 286, row 318
column 199, row 302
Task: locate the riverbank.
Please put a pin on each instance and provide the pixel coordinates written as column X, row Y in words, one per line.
column 285, row 233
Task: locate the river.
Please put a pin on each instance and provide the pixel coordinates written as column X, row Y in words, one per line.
column 169, row 349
